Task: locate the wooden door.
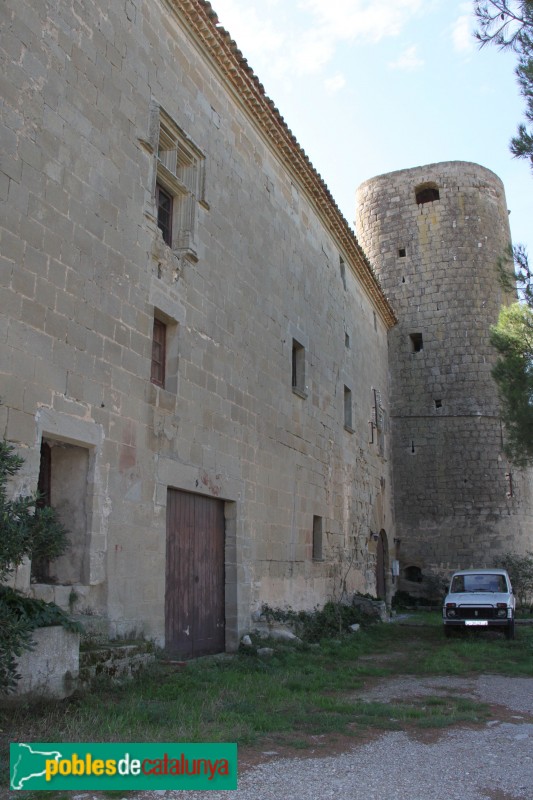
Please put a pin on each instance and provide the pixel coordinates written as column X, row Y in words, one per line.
column 194, row 588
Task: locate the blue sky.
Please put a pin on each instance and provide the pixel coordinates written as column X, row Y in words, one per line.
column 371, row 86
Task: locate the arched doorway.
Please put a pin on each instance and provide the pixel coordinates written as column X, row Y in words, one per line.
column 381, row 556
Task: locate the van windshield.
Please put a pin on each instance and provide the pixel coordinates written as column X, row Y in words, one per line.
column 478, row 583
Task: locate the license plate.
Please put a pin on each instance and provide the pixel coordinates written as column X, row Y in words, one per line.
column 476, row 622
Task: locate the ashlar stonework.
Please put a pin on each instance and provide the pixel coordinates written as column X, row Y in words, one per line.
column 195, row 349
column 190, row 331
column 434, row 235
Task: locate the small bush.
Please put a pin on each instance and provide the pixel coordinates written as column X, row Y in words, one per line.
column 520, row 569
column 334, row 619
column 26, row 531
column 19, row 616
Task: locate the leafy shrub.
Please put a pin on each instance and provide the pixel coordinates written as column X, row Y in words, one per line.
column 48, row 541
column 25, row 531
column 520, row 569
column 19, row 616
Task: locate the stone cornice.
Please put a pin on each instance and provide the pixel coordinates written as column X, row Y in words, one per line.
column 202, row 22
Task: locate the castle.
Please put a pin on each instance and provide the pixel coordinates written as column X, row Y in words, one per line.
column 227, row 399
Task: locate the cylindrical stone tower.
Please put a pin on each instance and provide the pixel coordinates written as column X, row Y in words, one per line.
column 433, row 235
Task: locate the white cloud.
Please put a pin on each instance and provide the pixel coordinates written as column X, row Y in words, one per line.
column 252, row 30
column 462, row 38
column 311, row 52
column 307, row 34
column 372, row 20
column 407, row 61
column 335, row 84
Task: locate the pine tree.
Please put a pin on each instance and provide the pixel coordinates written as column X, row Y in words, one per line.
column 508, row 24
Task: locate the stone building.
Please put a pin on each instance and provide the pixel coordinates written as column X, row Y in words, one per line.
column 193, row 345
column 434, row 235
column 195, row 349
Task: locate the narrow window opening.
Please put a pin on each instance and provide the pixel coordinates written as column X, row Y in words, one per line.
column 403, row 279
column 317, row 538
column 412, row 447
column 438, row 403
column 401, row 252
column 348, row 408
column 164, row 202
column 347, row 340
column 343, row 272
column 417, row 342
column 298, row 367
column 159, row 338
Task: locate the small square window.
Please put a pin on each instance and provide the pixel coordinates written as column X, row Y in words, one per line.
column 426, row 193
column 401, row 252
column 417, row 342
column 158, row 353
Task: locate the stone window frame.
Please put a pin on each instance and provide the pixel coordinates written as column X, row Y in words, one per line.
column 180, row 172
column 55, row 426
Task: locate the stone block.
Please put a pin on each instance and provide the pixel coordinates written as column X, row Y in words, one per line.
column 20, row 426
column 51, row 669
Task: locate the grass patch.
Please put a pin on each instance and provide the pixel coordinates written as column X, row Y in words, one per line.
column 302, row 691
column 427, row 712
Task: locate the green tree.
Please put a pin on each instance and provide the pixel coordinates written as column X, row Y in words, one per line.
column 513, row 339
column 25, row 531
column 508, row 24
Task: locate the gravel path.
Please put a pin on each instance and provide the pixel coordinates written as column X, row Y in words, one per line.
column 494, row 762
column 489, row 762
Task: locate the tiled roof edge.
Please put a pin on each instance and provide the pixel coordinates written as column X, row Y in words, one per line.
column 202, row 22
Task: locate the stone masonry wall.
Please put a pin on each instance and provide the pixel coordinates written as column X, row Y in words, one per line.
column 84, row 271
column 457, row 501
